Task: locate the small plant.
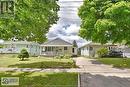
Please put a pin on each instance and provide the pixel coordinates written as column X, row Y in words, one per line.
column 102, row 52
column 1, row 46
column 23, row 54
column 67, row 56
column 63, row 56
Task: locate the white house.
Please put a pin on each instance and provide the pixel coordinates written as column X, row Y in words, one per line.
column 58, row 47
column 91, row 48
column 14, row 47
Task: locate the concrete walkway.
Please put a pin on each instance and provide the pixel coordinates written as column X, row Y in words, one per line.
column 42, row 70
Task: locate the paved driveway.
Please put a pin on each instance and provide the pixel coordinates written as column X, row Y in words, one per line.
column 94, row 67
column 100, row 75
column 89, row 80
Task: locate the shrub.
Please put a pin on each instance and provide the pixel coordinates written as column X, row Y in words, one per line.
column 67, row 56
column 63, row 56
column 102, row 52
column 1, row 46
column 23, row 54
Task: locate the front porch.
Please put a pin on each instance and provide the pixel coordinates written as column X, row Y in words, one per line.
column 55, row 51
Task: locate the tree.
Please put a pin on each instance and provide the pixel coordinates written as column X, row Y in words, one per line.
column 75, row 43
column 31, row 21
column 105, row 20
column 102, row 52
column 23, row 54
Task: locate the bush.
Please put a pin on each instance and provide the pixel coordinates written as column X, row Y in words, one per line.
column 1, row 46
column 102, row 52
column 63, row 57
column 67, row 56
column 23, row 54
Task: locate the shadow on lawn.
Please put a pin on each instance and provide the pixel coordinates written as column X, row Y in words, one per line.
column 31, row 79
column 46, row 64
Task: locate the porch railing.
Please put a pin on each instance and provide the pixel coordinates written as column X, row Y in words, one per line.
column 50, row 53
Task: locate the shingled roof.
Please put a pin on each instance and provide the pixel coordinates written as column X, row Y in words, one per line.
column 57, row 42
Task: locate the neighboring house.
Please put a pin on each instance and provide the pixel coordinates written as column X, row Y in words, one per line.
column 14, row 47
column 58, row 47
column 91, row 49
column 125, row 49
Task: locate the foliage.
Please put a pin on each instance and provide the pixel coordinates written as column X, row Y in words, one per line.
column 31, row 21
column 105, row 20
column 75, row 43
column 23, row 54
column 66, row 56
column 102, row 52
column 1, row 46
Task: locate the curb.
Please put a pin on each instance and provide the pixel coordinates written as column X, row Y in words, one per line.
column 79, row 80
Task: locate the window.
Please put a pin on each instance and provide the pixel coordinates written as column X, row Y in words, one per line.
column 36, row 48
column 7, row 6
column 73, row 50
column 27, row 46
column 65, row 48
column 91, row 48
column 47, row 48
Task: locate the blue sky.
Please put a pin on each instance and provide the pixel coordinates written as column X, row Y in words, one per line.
column 68, row 25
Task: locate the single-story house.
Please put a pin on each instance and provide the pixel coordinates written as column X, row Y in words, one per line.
column 91, row 48
column 14, row 47
column 58, row 47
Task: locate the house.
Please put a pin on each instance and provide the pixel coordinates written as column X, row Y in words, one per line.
column 91, row 48
column 125, row 49
column 58, row 47
column 14, row 47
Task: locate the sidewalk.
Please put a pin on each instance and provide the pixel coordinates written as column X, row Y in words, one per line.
column 86, row 66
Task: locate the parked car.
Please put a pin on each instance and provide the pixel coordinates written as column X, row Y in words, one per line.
column 114, row 54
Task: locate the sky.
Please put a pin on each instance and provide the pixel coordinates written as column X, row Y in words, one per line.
column 68, row 26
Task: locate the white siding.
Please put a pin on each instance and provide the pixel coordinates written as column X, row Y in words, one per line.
column 33, row 49
column 85, row 51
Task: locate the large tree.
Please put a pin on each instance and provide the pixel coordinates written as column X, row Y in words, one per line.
column 31, row 20
column 105, row 20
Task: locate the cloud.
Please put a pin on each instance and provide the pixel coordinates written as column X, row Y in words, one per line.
column 72, row 30
column 68, row 26
column 68, row 11
column 66, row 32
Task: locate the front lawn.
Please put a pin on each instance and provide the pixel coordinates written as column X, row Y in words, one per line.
column 116, row 62
column 40, row 79
column 35, row 62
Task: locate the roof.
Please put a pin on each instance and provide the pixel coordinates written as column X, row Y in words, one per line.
column 97, row 44
column 57, row 42
column 19, row 42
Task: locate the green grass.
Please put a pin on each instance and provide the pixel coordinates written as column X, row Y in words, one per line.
column 38, row 79
column 35, row 62
column 116, row 62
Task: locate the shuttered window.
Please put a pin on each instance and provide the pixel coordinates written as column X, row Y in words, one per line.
column 7, row 7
